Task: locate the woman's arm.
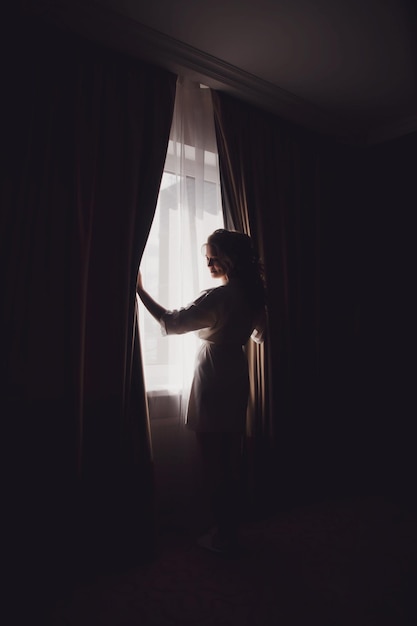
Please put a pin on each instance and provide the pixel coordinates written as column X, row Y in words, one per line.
column 155, row 309
column 202, row 313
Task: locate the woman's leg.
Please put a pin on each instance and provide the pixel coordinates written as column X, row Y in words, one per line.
column 221, row 456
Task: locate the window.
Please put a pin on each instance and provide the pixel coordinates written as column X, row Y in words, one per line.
column 188, row 210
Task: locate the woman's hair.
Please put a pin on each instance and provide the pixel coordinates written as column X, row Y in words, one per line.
column 236, row 253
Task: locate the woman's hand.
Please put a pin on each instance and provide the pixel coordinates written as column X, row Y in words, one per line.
column 155, row 309
column 139, row 284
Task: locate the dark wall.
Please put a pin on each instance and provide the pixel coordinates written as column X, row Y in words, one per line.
column 320, row 452
column 334, row 441
column 388, row 311
column 348, row 426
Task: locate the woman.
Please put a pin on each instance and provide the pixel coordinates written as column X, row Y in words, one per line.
column 225, row 318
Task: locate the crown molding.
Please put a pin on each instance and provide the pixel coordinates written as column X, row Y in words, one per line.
column 110, row 27
column 393, row 130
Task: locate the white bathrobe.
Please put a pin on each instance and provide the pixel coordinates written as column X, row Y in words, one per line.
column 225, row 321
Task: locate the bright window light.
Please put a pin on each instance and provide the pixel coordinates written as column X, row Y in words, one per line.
column 173, row 267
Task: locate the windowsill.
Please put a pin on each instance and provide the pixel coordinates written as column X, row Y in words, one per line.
column 154, row 392
column 164, row 403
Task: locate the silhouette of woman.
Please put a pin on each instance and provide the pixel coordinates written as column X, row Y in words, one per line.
column 225, row 317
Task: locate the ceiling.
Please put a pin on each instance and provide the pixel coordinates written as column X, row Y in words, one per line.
column 345, row 67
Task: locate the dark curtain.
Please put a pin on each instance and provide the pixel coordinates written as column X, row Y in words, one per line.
column 295, row 193
column 84, row 139
column 389, row 314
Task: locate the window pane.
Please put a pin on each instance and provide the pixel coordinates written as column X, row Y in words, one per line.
column 189, row 208
column 174, row 243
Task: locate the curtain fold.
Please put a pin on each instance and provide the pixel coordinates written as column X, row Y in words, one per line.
column 242, row 215
column 289, row 189
column 85, row 139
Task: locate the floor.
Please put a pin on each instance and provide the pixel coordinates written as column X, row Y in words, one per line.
column 341, row 563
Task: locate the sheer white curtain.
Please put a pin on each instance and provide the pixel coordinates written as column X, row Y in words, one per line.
column 173, row 267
